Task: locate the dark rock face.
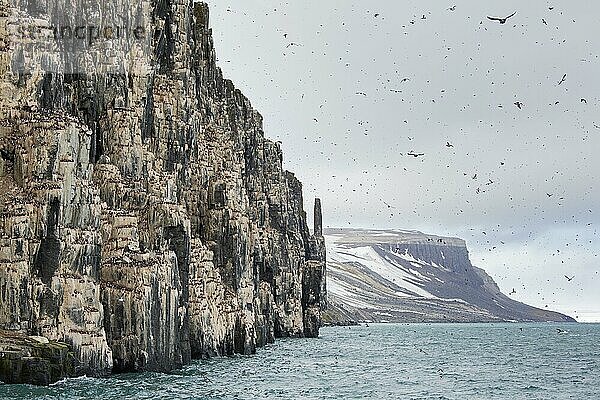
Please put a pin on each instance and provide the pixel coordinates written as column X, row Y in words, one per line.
column 408, row 276
column 30, row 359
column 144, row 218
column 314, row 293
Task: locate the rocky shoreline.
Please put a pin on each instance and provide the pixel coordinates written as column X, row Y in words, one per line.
column 34, row 359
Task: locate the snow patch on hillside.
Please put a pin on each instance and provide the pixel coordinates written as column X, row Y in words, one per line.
column 406, row 279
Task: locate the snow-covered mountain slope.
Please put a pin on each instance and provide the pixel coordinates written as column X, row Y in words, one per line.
column 407, row 276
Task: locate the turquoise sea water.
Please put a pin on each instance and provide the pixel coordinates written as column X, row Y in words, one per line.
column 418, row 361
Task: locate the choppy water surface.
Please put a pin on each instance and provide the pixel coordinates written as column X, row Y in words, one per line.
column 471, row 361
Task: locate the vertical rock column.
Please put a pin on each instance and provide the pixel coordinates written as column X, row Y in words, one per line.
column 318, row 219
column 314, row 291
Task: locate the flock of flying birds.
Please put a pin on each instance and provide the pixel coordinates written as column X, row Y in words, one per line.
column 397, row 87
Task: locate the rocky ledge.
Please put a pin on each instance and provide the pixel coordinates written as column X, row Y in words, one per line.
column 34, row 359
column 145, row 220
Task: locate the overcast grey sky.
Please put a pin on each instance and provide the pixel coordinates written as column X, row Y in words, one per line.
column 337, row 100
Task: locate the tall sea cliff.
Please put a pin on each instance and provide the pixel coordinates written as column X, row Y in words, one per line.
column 145, row 220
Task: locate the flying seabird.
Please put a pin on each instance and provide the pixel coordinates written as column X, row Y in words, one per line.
column 388, row 206
column 564, row 78
column 502, row 20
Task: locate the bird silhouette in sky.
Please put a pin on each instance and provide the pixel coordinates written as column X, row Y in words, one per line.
column 564, row 78
column 569, row 278
column 502, row 20
column 388, row 206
